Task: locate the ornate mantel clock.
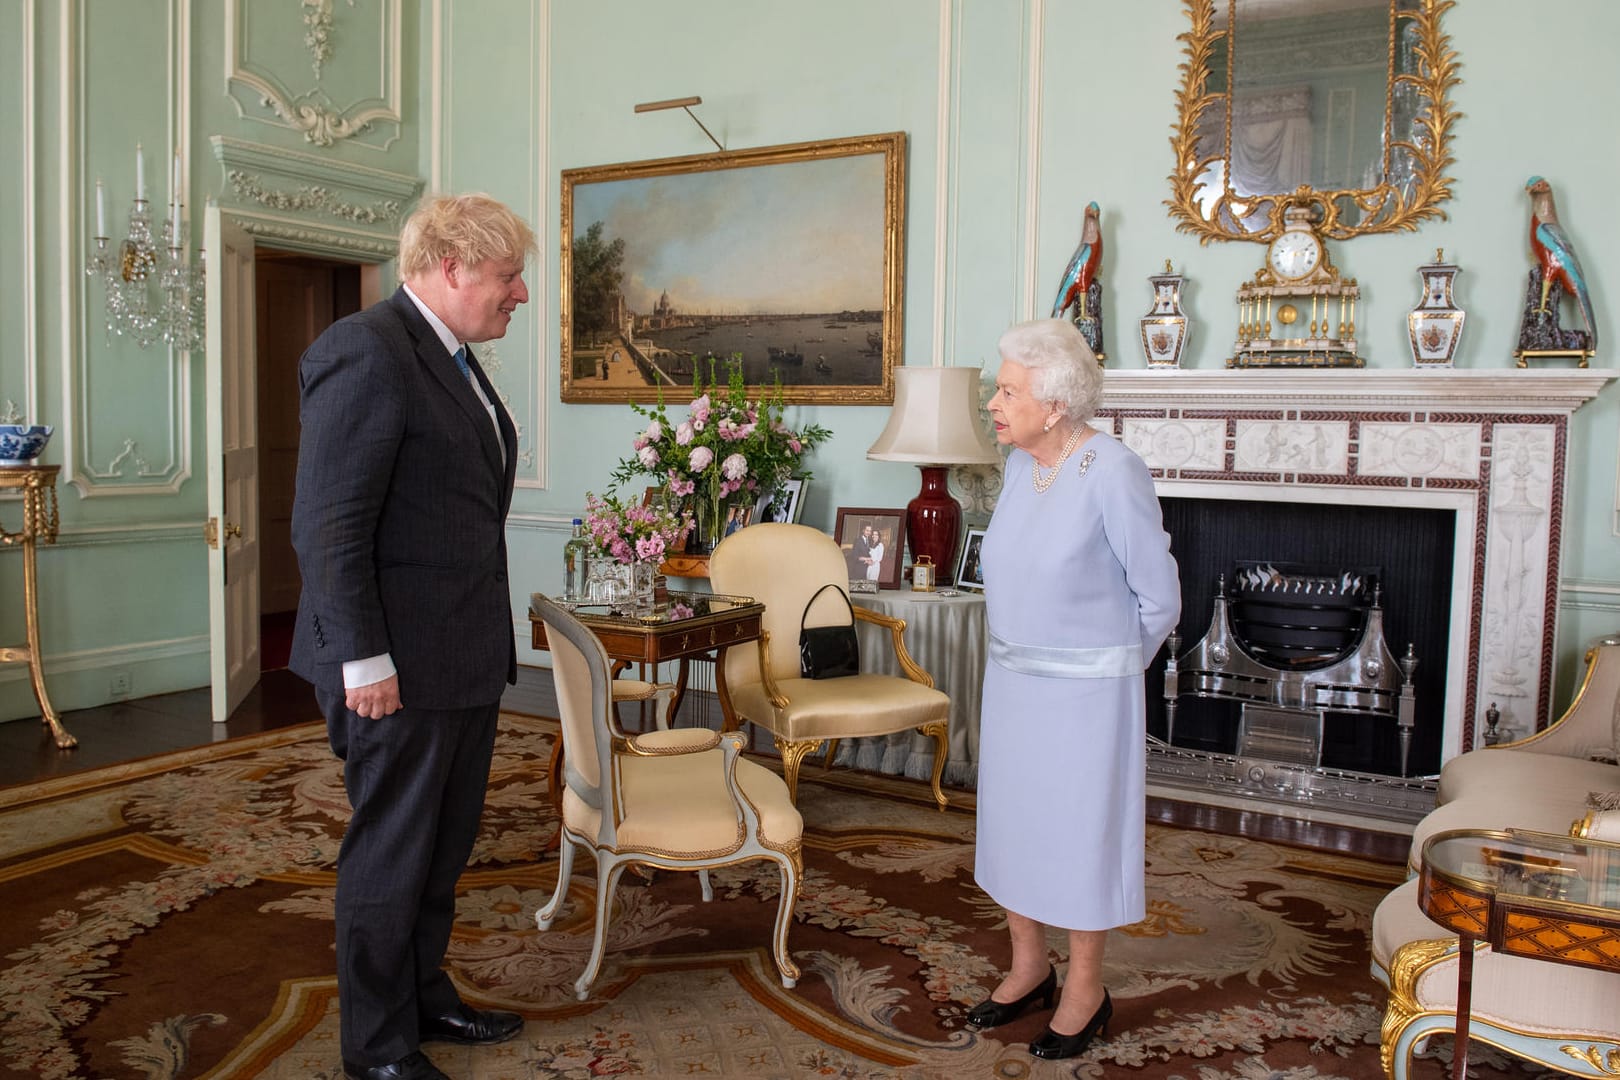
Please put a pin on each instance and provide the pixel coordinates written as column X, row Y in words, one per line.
column 1297, row 311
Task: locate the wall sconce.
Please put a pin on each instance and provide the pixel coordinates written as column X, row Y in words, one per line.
column 153, row 292
column 934, row 424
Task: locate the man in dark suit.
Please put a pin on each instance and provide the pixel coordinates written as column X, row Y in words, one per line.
column 405, row 469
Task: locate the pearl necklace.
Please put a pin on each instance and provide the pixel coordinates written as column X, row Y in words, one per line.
column 1044, row 482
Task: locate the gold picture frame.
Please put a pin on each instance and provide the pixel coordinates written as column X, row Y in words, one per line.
column 1417, row 146
column 792, row 256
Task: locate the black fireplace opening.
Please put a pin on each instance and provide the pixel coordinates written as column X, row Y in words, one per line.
column 1406, row 556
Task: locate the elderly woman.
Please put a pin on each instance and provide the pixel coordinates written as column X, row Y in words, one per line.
column 1080, row 590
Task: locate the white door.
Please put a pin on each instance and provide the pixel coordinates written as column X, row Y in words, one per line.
column 233, row 467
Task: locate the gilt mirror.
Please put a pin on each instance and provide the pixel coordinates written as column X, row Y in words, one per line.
column 1341, row 105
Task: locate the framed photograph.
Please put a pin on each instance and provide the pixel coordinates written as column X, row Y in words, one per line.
column 786, row 504
column 969, row 574
column 874, row 542
column 736, row 518
column 789, row 256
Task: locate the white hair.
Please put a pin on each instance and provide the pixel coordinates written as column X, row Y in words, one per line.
column 1062, row 367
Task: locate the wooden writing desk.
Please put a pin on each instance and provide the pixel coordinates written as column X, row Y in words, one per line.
column 688, row 625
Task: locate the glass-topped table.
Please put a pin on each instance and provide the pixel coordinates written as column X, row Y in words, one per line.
column 683, row 626
column 1530, row 894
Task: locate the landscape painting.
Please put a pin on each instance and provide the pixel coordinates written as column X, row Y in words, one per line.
column 789, row 257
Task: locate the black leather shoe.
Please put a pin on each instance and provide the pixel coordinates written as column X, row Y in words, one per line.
column 990, row 1013
column 470, row 1027
column 1053, row 1045
column 412, row 1066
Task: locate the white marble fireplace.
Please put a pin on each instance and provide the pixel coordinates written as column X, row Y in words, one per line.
column 1488, row 445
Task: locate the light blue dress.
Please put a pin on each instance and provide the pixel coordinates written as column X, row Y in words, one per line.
column 1080, row 591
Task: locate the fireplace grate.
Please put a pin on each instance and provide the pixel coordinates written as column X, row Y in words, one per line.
column 1292, row 644
column 1294, row 617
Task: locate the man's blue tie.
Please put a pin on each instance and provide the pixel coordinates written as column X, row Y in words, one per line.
column 461, row 362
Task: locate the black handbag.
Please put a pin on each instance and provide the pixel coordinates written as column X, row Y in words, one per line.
column 828, row 652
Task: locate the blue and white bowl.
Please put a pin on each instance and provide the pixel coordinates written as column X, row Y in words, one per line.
column 20, row 444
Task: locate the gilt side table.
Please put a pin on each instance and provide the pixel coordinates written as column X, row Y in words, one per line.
column 38, row 486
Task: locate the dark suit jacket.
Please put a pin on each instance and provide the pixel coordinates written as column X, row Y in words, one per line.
column 399, row 515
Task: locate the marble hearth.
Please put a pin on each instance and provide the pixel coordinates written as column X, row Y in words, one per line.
column 1489, row 446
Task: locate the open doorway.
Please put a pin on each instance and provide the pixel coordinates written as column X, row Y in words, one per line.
column 297, row 297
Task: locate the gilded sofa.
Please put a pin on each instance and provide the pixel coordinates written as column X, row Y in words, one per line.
column 1565, row 1017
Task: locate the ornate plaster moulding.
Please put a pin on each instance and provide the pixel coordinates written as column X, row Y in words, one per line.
column 264, row 96
column 313, row 203
column 1545, row 391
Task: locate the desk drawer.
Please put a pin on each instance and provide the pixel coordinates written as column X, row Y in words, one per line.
column 705, row 636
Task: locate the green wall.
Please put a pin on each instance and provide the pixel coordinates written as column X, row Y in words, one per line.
column 1017, row 113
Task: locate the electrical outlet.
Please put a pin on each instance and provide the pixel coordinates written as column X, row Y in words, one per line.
column 119, row 685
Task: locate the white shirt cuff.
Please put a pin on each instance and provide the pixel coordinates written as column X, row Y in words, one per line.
column 373, row 669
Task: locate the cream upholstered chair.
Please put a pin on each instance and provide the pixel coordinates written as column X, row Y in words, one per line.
column 1539, row 782
column 1565, row 1017
column 782, row 566
column 661, row 697
column 680, row 799
column 1562, row 1016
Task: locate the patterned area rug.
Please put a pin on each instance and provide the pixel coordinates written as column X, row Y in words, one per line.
column 173, row 919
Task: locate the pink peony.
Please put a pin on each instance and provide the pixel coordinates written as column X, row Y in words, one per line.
column 648, row 456
column 684, row 433
column 702, row 457
column 734, row 467
column 700, row 409
column 655, row 431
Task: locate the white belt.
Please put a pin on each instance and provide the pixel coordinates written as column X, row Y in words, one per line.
column 1107, row 662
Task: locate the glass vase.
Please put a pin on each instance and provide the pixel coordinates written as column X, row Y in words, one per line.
column 708, row 524
column 622, row 586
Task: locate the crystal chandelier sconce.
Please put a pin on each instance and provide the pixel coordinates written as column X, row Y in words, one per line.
column 153, row 292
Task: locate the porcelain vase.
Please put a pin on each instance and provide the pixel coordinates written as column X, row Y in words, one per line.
column 1437, row 322
column 1164, row 328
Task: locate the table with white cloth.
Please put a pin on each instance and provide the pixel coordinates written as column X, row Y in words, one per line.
column 947, row 636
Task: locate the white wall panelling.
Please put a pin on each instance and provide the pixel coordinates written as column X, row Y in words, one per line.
column 103, row 451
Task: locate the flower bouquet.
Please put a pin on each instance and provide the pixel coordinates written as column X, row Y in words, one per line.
column 726, row 450
column 632, row 533
column 627, row 543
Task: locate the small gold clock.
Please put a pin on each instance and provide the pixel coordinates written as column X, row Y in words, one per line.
column 1298, row 277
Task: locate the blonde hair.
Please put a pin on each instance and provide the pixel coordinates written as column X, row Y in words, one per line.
column 1062, row 367
column 472, row 228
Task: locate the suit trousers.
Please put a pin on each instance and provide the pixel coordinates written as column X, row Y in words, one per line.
column 416, row 780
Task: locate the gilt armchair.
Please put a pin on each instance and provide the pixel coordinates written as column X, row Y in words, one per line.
column 1566, row 1018
column 783, row 566
column 1557, row 780
column 1540, row 782
column 681, row 799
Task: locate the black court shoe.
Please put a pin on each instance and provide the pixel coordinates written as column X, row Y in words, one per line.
column 1052, row 1046
column 989, row 1014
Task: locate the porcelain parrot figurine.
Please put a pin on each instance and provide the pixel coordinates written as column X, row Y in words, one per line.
column 1082, row 269
column 1555, row 255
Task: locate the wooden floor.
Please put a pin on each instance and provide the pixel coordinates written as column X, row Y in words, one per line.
column 126, row 731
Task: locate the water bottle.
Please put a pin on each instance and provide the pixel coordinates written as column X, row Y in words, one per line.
column 576, row 554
